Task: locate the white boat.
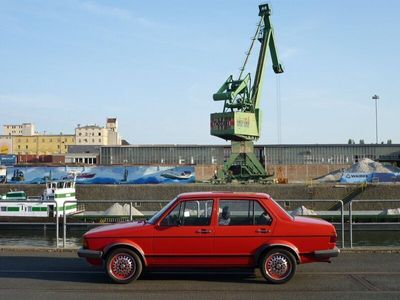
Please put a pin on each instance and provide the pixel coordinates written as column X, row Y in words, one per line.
column 18, row 204
column 3, row 174
column 176, row 175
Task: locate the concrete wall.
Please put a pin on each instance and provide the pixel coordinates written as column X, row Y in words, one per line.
column 169, row 191
column 284, row 192
column 294, row 173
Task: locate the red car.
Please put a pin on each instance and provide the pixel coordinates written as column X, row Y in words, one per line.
column 212, row 229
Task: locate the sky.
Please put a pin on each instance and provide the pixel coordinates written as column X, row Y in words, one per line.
column 155, row 65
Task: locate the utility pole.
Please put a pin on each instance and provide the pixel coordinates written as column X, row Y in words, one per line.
column 376, row 98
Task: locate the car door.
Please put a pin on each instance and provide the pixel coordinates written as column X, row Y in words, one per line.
column 185, row 236
column 243, row 226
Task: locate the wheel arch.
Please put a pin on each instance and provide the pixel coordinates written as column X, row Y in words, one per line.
column 131, row 246
column 265, row 248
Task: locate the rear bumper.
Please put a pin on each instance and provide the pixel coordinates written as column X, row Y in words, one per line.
column 327, row 253
column 86, row 253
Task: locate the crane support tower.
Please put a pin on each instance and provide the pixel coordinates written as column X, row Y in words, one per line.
column 240, row 120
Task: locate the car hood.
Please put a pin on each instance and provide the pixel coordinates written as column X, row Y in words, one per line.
column 115, row 229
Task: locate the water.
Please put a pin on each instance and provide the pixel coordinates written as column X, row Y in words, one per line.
column 47, row 238
column 38, row 238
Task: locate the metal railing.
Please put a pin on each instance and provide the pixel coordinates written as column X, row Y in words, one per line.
column 351, row 213
column 130, row 216
column 325, row 201
column 167, row 201
column 56, row 219
column 130, row 202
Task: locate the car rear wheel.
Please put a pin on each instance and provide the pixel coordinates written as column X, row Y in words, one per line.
column 123, row 265
column 278, row 266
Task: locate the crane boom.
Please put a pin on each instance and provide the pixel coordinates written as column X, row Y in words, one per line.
column 267, row 43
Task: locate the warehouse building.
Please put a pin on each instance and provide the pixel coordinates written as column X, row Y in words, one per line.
column 269, row 154
column 297, row 162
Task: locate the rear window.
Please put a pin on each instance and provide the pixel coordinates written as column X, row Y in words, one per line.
column 242, row 213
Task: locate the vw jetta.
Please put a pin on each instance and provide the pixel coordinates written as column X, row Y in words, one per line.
column 212, row 230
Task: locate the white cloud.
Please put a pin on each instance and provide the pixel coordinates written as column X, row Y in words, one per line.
column 105, row 10
column 109, row 11
column 289, row 53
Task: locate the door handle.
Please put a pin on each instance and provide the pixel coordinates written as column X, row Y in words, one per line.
column 263, row 230
column 203, row 231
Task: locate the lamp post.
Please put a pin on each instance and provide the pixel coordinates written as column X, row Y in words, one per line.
column 376, row 98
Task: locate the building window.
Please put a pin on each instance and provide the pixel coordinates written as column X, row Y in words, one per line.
column 26, row 146
column 80, row 133
column 99, row 133
column 19, row 146
column 99, row 140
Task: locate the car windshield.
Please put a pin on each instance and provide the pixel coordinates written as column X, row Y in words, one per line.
column 284, row 210
column 158, row 214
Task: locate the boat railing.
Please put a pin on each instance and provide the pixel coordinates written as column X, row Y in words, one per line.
column 34, row 198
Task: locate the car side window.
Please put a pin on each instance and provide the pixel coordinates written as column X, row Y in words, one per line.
column 261, row 217
column 172, row 219
column 190, row 213
column 241, row 213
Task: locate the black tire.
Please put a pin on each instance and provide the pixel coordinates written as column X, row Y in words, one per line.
column 278, row 265
column 123, row 265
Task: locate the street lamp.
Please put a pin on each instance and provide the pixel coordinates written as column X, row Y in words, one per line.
column 376, row 98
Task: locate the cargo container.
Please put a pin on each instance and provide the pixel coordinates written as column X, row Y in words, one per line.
column 29, row 158
column 8, row 160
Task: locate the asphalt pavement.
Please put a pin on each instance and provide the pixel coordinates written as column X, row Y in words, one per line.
column 61, row 275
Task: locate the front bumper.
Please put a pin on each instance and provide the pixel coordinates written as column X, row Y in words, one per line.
column 327, row 253
column 86, row 253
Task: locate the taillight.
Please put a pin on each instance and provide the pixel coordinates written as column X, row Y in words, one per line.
column 84, row 243
column 333, row 238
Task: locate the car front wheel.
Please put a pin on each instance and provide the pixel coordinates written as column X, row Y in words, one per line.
column 123, row 265
column 278, row 266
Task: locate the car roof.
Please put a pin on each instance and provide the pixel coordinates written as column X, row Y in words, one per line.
column 225, row 194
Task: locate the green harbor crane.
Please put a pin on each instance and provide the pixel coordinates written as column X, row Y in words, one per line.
column 240, row 120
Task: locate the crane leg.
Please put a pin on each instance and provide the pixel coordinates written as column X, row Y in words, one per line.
column 242, row 164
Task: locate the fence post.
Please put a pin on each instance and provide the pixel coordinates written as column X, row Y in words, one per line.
column 342, row 217
column 351, row 223
column 57, row 225
column 64, row 225
column 130, row 211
